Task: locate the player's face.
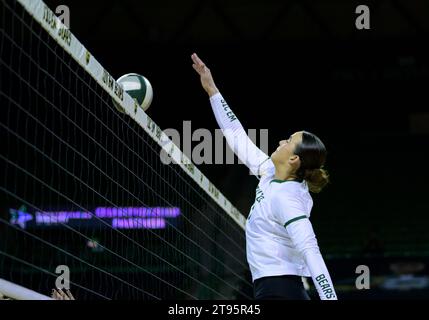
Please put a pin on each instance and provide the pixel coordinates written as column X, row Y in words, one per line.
column 286, row 148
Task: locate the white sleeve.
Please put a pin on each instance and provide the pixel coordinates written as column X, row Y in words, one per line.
column 302, row 234
column 253, row 157
column 292, row 216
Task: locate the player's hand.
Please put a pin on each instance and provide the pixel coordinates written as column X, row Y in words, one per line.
column 205, row 75
column 2, row 297
column 61, row 295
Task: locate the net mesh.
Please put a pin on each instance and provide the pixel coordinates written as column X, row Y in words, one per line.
column 83, row 186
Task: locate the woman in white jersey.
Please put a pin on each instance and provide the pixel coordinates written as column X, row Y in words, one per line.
column 281, row 244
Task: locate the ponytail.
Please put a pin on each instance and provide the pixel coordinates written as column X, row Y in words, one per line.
column 316, row 179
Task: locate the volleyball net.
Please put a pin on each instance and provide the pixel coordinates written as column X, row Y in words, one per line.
column 86, row 200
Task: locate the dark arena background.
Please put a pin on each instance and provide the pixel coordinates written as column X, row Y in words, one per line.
column 83, row 185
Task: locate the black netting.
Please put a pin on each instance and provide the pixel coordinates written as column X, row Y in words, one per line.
column 83, row 185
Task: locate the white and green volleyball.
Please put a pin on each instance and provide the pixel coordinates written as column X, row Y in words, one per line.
column 138, row 87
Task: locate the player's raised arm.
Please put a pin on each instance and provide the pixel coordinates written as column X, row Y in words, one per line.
column 254, row 158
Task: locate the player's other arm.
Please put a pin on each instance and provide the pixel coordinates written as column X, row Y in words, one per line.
column 231, row 127
column 303, row 237
column 290, row 212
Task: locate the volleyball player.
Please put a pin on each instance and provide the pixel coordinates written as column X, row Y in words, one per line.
column 280, row 242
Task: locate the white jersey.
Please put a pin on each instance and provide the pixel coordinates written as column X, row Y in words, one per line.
column 279, row 236
column 270, row 250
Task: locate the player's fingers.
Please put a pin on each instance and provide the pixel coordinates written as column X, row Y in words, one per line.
column 55, row 295
column 199, row 70
column 197, row 60
column 69, row 295
column 193, row 58
column 63, row 295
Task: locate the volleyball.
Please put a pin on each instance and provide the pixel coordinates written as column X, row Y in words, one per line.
column 138, row 87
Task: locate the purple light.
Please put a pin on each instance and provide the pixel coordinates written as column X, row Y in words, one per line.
column 138, row 223
column 140, row 212
column 60, row 216
column 122, row 217
column 20, row 218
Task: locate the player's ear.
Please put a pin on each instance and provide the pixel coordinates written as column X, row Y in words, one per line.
column 294, row 160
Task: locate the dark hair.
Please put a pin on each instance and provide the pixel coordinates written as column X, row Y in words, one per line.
column 312, row 153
